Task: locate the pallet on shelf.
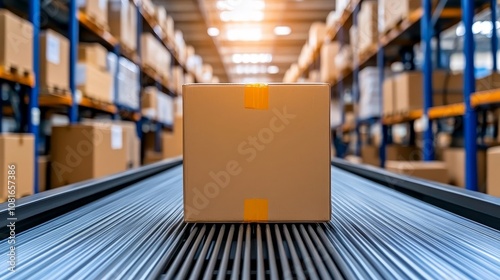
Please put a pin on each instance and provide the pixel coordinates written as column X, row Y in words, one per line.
column 14, row 74
column 54, row 90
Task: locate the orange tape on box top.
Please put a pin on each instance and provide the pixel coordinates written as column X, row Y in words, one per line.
column 256, row 210
column 257, row 96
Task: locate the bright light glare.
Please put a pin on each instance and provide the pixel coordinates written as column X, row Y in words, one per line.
column 273, row 69
column 282, row 30
column 241, row 15
column 230, row 5
column 253, row 58
column 213, row 31
column 244, row 34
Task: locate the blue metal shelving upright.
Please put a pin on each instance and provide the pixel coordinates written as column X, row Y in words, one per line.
column 33, row 110
column 427, row 33
column 470, row 118
column 73, row 58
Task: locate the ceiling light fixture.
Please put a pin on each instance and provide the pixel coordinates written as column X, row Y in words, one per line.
column 252, row 58
column 241, row 15
column 244, row 34
column 213, row 31
column 282, row 30
column 273, row 69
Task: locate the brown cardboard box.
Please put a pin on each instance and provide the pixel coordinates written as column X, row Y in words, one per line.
column 317, row 33
column 433, row 170
column 86, row 151
column 43, row 163
column 244, row 167
column 409, row 90
column 97, row 10
column 370, row 155
column 389, row 96
column 455, row 161
column 489, row 82
column 152, row 157
column 402, row 153
column 493, row 176
column 92, row 53
column 396, row 10
column 54, row 61
column 16, row 43
column 327, row 68
column 123, row 22
column 368, row 31
column 149, row 102
column 17, row 150
column 94, row 83
column 172, row 142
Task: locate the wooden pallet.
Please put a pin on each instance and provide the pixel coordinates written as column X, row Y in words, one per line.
column 55, row 90
column 16, row 74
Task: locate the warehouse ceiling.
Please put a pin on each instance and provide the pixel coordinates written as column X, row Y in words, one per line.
column 244, row 46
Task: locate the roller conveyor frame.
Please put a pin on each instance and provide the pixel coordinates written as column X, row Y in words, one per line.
column 40, row 207
column 339, row 249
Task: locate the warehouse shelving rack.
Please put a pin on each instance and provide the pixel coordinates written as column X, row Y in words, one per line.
column 421, row 26
column 78, row 22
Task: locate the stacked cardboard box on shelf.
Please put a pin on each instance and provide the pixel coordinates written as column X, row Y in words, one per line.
column 96, row 10
column 389, row 99
column 177, row 79
column 370, row 153
column 180, row 46
column 368, row 29
column 328, row 53
column 155, row 56
column 123, row 23
column 434, row 170
column 83, row 151
column 343, row 60
column 128, row 81
column 493, row 176
column 369, row 90
column 165, row 108
column 17, row 159
column 54, row 62
column 394, row 11
column 92, row 78
column 16, row 43
column 455, row 162
column 491, row 81
column 149, row 102
column 317, row 33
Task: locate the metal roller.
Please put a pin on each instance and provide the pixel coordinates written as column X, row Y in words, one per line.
column 374, row 233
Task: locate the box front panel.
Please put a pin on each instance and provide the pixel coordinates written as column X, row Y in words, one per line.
column 234, row 154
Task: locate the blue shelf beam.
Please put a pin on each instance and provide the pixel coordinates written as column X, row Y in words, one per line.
column 33, row 110
column 73, row 58
column 427, row 33
column 470, row 118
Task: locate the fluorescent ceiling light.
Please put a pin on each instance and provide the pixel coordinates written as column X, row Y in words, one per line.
column 282, row 30
column 273, row 69
column 213, row 31
column 241, row 15
column 252, row 58
column 244, row 34
column 230, row 5
column 250, row 69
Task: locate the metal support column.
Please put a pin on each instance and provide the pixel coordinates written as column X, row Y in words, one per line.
column 385, row 128
column 33, row 110
column 116, row 51
column 494, row 36
column 439, row 63
column 426, row 31
column 470, row 118
column 138, row 52
column 73, row 58
column 355, row 88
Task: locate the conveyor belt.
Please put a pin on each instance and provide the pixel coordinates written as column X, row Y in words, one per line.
column 138, row 233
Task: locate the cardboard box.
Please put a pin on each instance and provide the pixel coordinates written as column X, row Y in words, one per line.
column 94, row 54
column 244, row 168
column 123, row 22
column 328, row 71
column 16, row 150
column 96, row 10
column 85, row 151
column 397, row 10
column 493, row 176
column 370, row 155
column 431, row 170
column 93, row 82
column 54, row 61
column 149, row 102
column 455, row 161
column 388, row 97
column 16, row 43
column 368, row 31
column 317, row 34
column 489, row 82
column 409, row 87
column 43, row 163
